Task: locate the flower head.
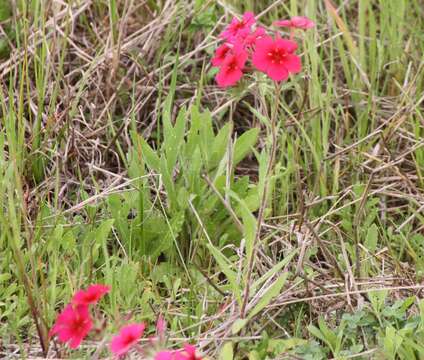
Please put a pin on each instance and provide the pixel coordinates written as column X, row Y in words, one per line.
column 276, row 57
column 220, row 55
column 189, row 353
column 90, row 296
column 238, row 27
column 72, row 325
column 128, row 336
column 250, row 39
column 298, row 22
column 231, row 69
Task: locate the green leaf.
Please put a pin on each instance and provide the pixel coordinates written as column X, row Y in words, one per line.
column 174, row 140
column 280, row 346
column 156, row 236
column 219, row 146
column 254, row 355
column 101, row 235
column 224, row 266
column 193, row 137
column 329, row 335
column 4, row 277
column 149, row 156
column 377, row 299
column 227, row 352
column 238, row 325
column 276, row 268
column 262, row 118
column 167, row 181
column 103, row 231
column 194, row 169
column 167, row 107
column 175, row 227
column 372, row 238
column 317, row 333
column 249, row 225
column 421, row 307
column 271, row 293
column 5, row 10
column 206, row 133
column 244, row 144
column 391, row 342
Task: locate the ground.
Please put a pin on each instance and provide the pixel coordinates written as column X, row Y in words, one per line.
column 262, row 221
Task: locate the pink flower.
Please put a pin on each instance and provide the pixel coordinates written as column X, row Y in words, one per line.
column 90, row 296
column 189, row 353
column 72, row 325
column 239, row 27
column 165, row 355
column 276, row 57
column 220, row 54
column 128, row 336
column 298, row 22
column 231, row 68
column 250, row 40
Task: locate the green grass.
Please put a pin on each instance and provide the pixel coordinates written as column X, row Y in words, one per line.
column 122, row 163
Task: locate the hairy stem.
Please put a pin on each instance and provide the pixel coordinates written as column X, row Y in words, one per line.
column 264, row 200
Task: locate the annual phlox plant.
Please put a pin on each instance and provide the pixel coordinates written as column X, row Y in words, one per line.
column 247, row 46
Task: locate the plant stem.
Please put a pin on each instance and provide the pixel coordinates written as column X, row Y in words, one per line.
column 264, row 200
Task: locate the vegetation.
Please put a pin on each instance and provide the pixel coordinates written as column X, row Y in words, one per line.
column 260, row 223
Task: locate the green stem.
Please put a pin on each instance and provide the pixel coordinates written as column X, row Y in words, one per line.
column 264, row 201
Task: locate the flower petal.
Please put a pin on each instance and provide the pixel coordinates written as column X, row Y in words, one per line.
column 241, row 57
column 288, row 45
column 75, row 342
column 90, row 296
column 283, row 23
column 292, row 63
column 277, row 72
column 260, row 57
column 128, row 336
column 220, row 55
column 264, row 44
column 164, row 355
column 249, row 18
column 117, row 346
column 260, row 61
column 227, row 78
column 72, row 325
column 302, row 22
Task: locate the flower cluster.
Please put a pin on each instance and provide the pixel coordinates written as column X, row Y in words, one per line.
column 272, row 55
column 75, row 322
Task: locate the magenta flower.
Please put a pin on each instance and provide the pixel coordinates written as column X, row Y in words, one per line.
column 165, row 355
column 90, row 296
column 239, row 28
column 276, row 57
column 128, row 337
column 189, row 353
column 72, row 325
column 297, row 22
column 220, row 55
column 251, row 39
column 231, row 69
